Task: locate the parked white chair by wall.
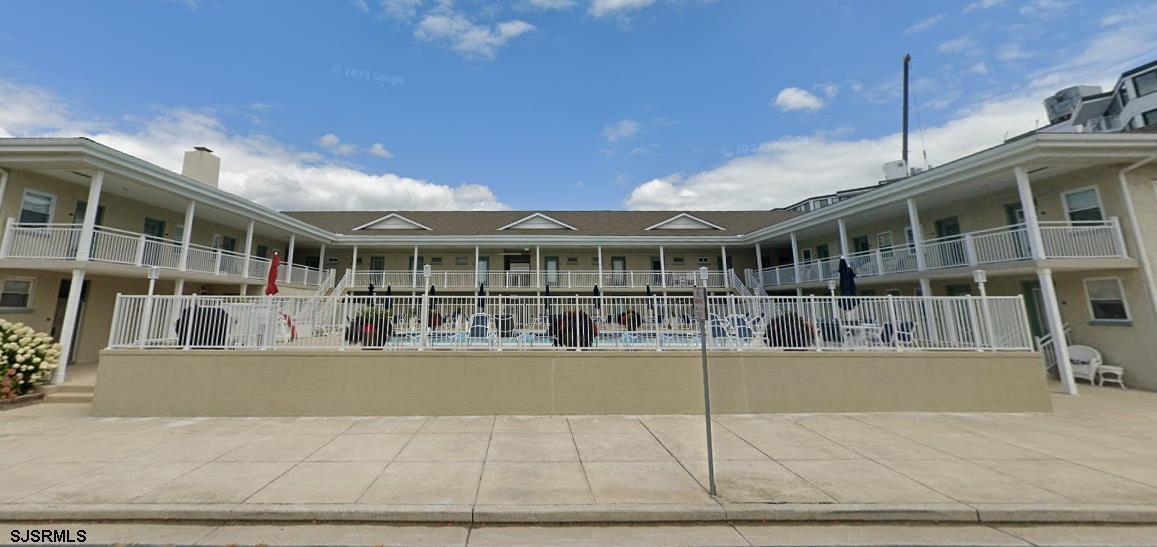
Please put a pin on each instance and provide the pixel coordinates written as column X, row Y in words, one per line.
column 1086, row 361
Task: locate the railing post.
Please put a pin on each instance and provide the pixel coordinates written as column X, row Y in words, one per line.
column 9, row 225
column 1118, row 237
column 816, row 323
column 974, row 322
column 969, row 250
column 894, row 322
column 190, row 318
column 217, row 265
column 879, row 262
column 146, row 318
column 141, row 250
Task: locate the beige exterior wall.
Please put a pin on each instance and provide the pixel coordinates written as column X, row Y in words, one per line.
column 292, row 383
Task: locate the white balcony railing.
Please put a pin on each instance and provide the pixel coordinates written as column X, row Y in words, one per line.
column 598, row 323
column 565, row 279
column 114, row 246
column 1076, row 239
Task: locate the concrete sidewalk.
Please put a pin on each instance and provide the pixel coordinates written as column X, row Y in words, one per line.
column 1093, row 460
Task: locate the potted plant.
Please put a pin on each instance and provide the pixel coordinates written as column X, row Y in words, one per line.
column 27, row 359
column 790, row 331
column 371, row 327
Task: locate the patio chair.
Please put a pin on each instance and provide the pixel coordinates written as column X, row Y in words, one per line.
column 1085, row 362
column 479, row 331
column 744, row 329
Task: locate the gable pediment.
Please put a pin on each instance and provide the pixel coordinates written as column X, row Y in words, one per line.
column 684, row 221
column 538, row 221
column 392, row 221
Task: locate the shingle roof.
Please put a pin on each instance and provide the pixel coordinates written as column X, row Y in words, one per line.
column 586, row 223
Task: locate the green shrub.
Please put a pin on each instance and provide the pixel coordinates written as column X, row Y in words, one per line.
column 27, row 359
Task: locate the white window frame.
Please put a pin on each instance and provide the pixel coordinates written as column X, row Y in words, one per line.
column 1096, row 192
column 1124, row 301
column 51, row 203
column 891, row 240
column 31, row 291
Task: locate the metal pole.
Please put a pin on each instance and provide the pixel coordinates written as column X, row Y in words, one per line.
column 701, row 314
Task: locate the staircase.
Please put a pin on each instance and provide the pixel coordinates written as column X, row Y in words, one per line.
column 68, row 393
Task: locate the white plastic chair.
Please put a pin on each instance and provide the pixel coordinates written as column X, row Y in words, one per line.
column 1085, row 362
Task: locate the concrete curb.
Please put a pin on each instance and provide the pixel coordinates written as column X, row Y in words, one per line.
column 569, row 514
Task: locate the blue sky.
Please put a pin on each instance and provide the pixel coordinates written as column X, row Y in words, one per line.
column 562, row 104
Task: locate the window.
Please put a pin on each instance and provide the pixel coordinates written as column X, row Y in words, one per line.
column 822, row 251
column 893, row 292
column 263, row 251
column 1106, row 299
column 1150, row 118
column 154, row 227
column 459, row 261
column 884, row 240
column 37, row 207
column 860, row 244
column 1146, row 83
column 805, row 255
column 908, row 237
column 573, row 261
column 229, row 243
column 435, row 261
column 704, row 261
column 1123, row 96
column 378, row 263
column 678, row 261
column 1083, row 204
column 16, row 293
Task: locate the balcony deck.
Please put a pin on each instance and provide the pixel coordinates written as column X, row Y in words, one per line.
column 538, row 280
column 61, row 242
column 994, row 246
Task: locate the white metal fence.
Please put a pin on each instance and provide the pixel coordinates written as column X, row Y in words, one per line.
column 570, row 322
column 559, row 279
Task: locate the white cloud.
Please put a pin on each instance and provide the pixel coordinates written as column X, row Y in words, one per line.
column 551, row 4
column 785, row 170
column 401, row 9
column 924, row 24
column 979, row 68
column 794, row 98
column 456, row 30
column 622, row 129
column 1012, row 52
column 379, row 150
column 361, row 5
column 333, row 144
column 253, row 166
column 982, row 5
column 1042, row 8
column 604, row 8
column 955, row 46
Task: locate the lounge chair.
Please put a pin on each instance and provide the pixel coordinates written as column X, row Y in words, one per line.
column 478, row 333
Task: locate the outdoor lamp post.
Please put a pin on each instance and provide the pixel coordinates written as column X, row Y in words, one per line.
column 154, row 275
column 981, row 278
column 701, row 315
column 832, row 287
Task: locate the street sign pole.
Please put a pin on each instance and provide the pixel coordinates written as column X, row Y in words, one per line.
column 701, row 316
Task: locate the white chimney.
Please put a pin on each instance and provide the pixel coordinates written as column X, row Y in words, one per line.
column 201, row 165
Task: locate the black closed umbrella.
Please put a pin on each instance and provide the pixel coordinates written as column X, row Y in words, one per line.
column 389, row 293
column 481, row 295
column 649, row 295
column 847, row 284
column 597, row 294
column 371, row 288
column 432, row 290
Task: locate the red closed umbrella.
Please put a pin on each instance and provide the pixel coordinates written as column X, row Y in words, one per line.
column 271, row 283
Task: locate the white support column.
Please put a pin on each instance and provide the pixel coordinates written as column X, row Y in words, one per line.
column 726, row 270
column 354, row 265
column 321, row 263
column 917, row 234
column 289, row 259
column 179, row 287
column 69, row 325
column 662, row 268
column 1057, row 327
column 1032, row 226
column 248, row 249
column 925, row 287
column 415, row 280
column 600, row 282
column 3, row 187
column 759, row 264
column 90, row 209
column 477, row 257
column 844, row 252
column 537, row 266
column 795, row 258
column 187, row 234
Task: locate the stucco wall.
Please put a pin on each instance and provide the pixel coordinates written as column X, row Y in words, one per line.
column 290, row 383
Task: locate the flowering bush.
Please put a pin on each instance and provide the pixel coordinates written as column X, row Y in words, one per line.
column 27, row 358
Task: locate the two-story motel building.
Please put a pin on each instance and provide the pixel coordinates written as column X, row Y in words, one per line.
column 1065, row 219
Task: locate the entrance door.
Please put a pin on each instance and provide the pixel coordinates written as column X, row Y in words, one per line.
column 552, row 270
column 517, row 271
column 58, row 315
column 951, row 252
column 483, row 267
column 421, row 266
column 618, row 271
column 1014, row 215
column 78, row 217
column 656, row 271
column 1034, row 300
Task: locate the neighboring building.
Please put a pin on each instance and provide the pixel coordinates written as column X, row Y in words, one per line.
column 815, row 203
column 1131, row 104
